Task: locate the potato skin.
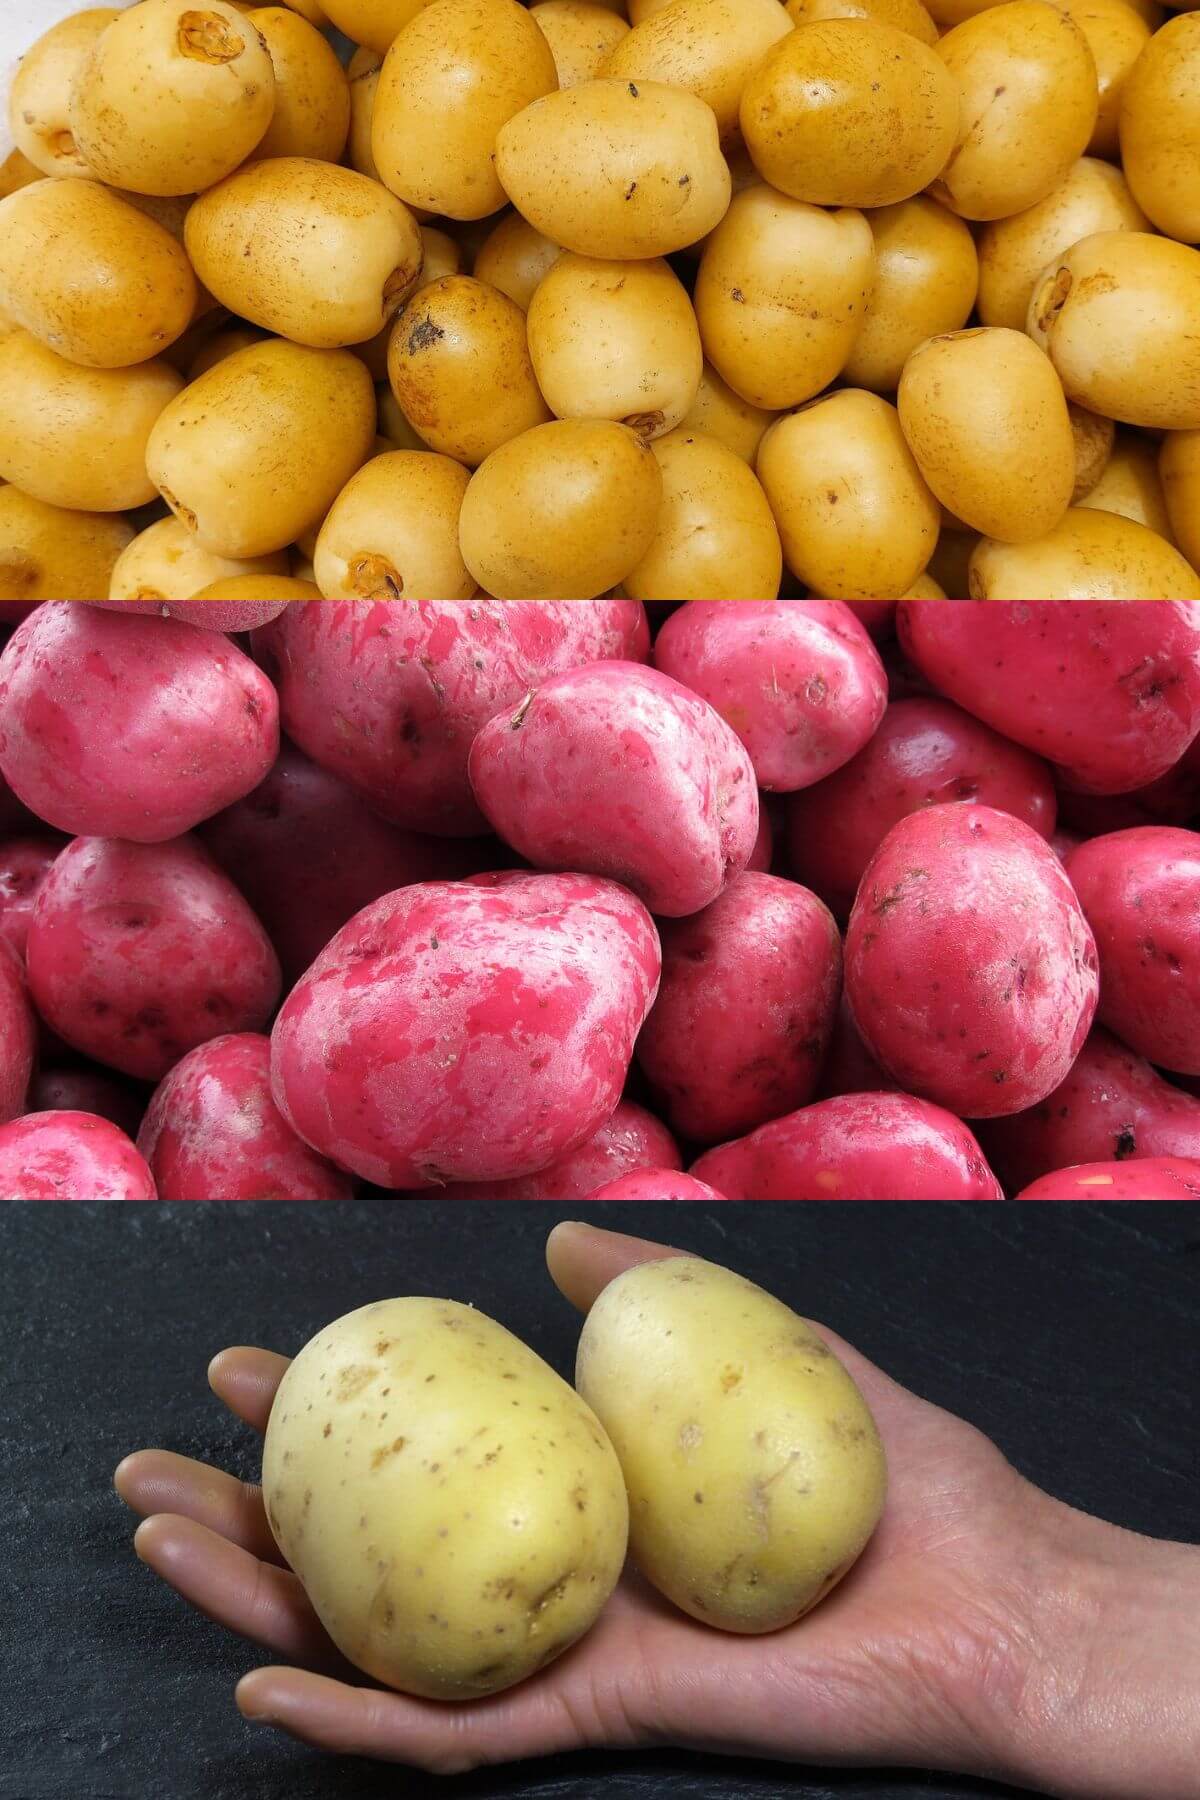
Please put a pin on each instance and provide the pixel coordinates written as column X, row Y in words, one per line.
column 710, row 47
column 1157, row 1178
column 70, row 1156
column 655, row 1184
column 1159, row 127
column 40, row 96
column 50, row 553
column 454, row 1510
column 312, row 94
column 754, row 1467
column 393, row 531
column 630, row 1140
column 1090, row 554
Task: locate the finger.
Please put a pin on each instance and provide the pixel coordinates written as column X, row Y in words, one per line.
column 158, row 1481
column 246, row 1381
column 583, row 1259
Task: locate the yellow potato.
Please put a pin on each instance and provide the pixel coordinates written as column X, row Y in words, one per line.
column 363, row 77
column 441, row 256
column 926, row 277
column 924, row 588
column 1029, row 102
column 392, row 532
column 1116, row 36
column 850, row 112
column 172, row 97
column 1094, row 437
column 165, row 562
column 644, row 9
column 453, row 1509
column 319, row 254
column 781, row 294
column 458, row 73
column 621, row 169
column 986, row 419
column 905, row 15
column 580, row 36
column 563, row 512
column 220, row 345
column 312, row 94
column 48, row 553
column 375, row 24
column 17, row 172
column 457, row 342
column 77, row 437
column 716, row 538
column 615, row 340
column 1129, row 484
column 753, row 1465
column 39, row 100
column 1179, row 471
column 394, row 428
column 1119, row 316
column 1013, row 252
column 259, row 587
column 724, row 415
column 1160, row 128
column 1089, row 555
column 259, row 448
column 514, row 257
column 709, row 47
column 310, row 10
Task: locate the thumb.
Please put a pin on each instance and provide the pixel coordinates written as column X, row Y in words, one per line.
column 582, row 1259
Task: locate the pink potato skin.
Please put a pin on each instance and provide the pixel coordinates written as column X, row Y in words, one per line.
column 1157, row 1178
column 211, row 615
column 213, row 1132
column 470, row 1031
column 18, row 1037
column 854, row 1147
column 656, row 1184
column 971, row 973
column 70, row 1156
column 24, row 865
column 389, row 694
column 130, row 728
column 137, row 953
column 617, row 770
column 1108, row 690
column 1111, row 1107
column 799, row 680
column 739, row 1031
column 925, row 753
column 1140, row 890
column 630, row 1139
column 88, row 1090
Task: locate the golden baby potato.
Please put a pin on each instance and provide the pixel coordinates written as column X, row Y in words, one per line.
column 39, row 100
column 1094, row 438
column 615, row 340
column 375, row 24
column 451, row 80
column 1179, row 472
column 166, row 562
column 259, row 587
column 1089, row 555
column 48, row 553
column 453, row 1509
column 622, row 169
column 441, row 255
column 850, row 112
column 580, row 36
column 926, row 278
column 1160, row 128
column 753, row 1465
column 392, row 532
column 722, row 414
column 716, row 537
column 312, row 94
column 781, row 295
column 362, row 73
column 709, row 47
column 1094, row 196
column 1116, row 36
column 77, row 437
column 905, row 15
column 1028, row 107
column 459, row 365
column 563, row 512
column 1130, row 484
column 171, row 98
column 514, row 257
column 985, row 416
column 259, row 448
column 856, row 517
column 1119, row 316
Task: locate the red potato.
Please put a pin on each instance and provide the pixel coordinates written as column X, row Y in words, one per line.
column 473, row 1031
column 18, row 1037
column 24, row 864
column 213, row 615
column 849, row 1066
column 1158, row 1178
column 1174, row 799
column 855, row 1147
column 656, row 1184
column 84, row 1090
column 389, row 694
column 925, row 753
column 799, row 680
column 213, row 1132
column 1109, row 690
column 970, row 968
column 616, row 770
column 70, row 1156
column 1140, row 890
column 137, row 953
column 744, row 1014
column 130, row 728
column 630, row 1139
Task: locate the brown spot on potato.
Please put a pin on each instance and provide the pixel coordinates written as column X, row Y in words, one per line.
column 353, row 1380
column 208, row 38
column 387, row 1451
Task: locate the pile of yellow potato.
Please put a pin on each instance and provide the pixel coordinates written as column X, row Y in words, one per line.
column 688, row 298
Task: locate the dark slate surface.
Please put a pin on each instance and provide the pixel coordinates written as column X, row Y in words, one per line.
column 1069, row 1333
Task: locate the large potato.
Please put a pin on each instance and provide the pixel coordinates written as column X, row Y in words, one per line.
column 40, row 97
column 392, row 532
column 49, row 553
column 709, row 47
column 1160, row 128
column 753, row 1464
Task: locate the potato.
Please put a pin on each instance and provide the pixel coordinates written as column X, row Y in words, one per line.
column 1129, row 484
column 1179, row 469
column 470, row 1550
column 617, row 169
column 49, row 553
column 905, row 15
column 392, row 532
column 1158, row 1178
column 40, row 96
column 375, row 24
column 850, row 112
column 781, row 294
column 312, row 94
column 753, row 1465
column 77, row 437
column 70, row 1156
column 1116, row 35
column 363, row 77
column 1014, row 251
column 580, row 36
column 171, row 98
column 655, row 1184
column 514, row 257
column 215, row 608
column 631, row 1139
column 716, row 537
column 926, row 278
column 709, row 47
column 722, row 414
column 1160, row 128
column 1089, row 555
column 165, row 562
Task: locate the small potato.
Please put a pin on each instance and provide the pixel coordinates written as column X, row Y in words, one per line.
column 724, row 415
column 255, row 593
column 77, row 437
column 1117, row 315
column 580, row 36
column 985, row 416
column 363, row 77
column 39, row 100
column 905, row 15
column 258, row 449
column 319, row 254
column 615, row 340
column 1179, row 470
column 1160, row 128
column 753, row 1464
column 716, row 537
column 514, row 257
column 1116, row 36
column 617, row 169
column 1013, row 252
column 1094, row 439
column 48, row 553
column 781, row 295
column 165, row 562
column 312, row 94
column 709, row 47
column 1129, row 484
column 456, row 341
column 171, row 98
column 1089, row 555
column 392, row 532
column 850, row 112
column 1029, row 102
column 926, row 277
column 375, row 24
